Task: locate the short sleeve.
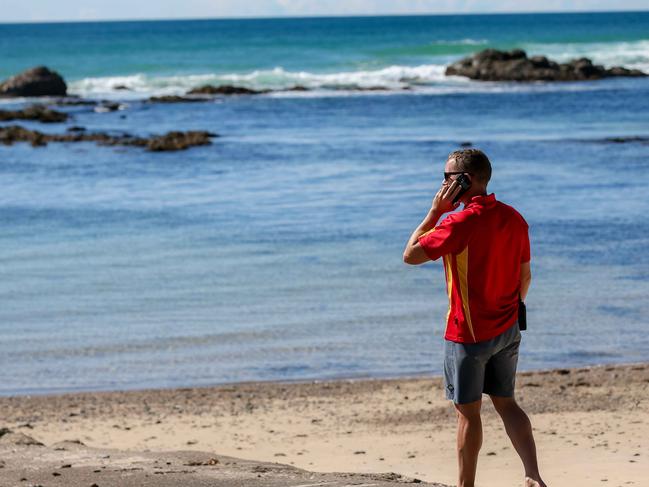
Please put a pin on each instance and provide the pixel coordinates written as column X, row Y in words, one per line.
column 525, row 247
column 448, row 237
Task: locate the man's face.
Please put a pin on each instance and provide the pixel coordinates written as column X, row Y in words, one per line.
column 452, row 167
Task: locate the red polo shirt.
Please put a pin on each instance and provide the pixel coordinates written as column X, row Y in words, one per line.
column 483, row 247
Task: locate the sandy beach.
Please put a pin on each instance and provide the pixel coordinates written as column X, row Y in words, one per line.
column 590, row 424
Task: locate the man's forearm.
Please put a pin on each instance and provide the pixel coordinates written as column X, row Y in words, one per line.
column 525, row 286
column 427, row 223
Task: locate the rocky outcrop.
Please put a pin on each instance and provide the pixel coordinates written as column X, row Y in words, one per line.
column 208, row 92
column 38, row 81
column 178, row 140
column 39, row 113
column 494, row 65
column 170, row 141
column 73, row 101
column 109, row 106
column 224, row 90
column 178, row 99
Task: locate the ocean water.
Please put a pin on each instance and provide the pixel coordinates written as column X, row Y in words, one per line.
column 276, row 252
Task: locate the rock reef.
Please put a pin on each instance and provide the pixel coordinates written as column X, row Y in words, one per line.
column 38, row 81
column 177, row 99
column 224, row 90
column 39, row 113
column 171, row 141
column 514, row 65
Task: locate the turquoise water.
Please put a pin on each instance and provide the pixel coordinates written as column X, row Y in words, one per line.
column 335, row 52
column 276, row 252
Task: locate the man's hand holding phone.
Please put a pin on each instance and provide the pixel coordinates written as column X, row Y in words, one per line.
column 443, row 201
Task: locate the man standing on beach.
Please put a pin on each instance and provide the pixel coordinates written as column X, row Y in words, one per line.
column 486, row 253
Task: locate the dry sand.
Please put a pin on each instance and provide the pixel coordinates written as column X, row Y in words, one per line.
column 591, row 426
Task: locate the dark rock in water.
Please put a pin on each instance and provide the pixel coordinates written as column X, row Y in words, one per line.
column 354, row 87
column 623, row 140
column 177, row 99
column 73, row 101
column 297, row 88
column 34, row 112
column 465, row 144
column 178, row 140
column 224, row 90
column 121, row 87
column 76, row 128
column 366, row 88
column 38, row 81
column 494, row 65
column 109, row 106
column 170, row 141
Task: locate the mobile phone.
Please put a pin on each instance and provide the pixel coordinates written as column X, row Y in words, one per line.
column 465, row 183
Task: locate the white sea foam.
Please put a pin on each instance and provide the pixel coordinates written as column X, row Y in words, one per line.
column 632, row 55
column 390, row 78
column 427, row 78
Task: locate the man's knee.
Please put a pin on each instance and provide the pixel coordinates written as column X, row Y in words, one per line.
column 469, row 411
column 503, row 404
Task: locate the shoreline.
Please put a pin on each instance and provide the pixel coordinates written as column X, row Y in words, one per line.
column 588, row 424
column 299, row 381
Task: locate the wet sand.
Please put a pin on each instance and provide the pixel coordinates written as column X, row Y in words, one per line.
column 591, row 426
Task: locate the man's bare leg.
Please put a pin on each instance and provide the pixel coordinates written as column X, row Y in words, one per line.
column 469, row 441
column 519, row 430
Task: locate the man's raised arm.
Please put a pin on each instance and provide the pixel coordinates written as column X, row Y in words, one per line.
column 413, row 253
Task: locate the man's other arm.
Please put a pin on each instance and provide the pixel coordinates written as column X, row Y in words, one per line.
column 526, row 279
column 442, row 202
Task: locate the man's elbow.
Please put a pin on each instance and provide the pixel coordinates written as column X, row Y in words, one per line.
column 414, row 258
column 407, row 258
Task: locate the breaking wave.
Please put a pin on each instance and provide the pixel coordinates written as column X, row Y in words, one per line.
column 395, row 78
column 390, row 78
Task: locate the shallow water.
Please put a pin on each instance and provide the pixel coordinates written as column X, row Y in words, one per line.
column 276, row 252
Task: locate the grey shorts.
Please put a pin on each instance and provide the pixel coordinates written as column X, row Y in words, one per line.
column 489, row 367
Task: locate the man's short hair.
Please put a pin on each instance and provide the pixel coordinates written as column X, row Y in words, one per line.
column 473, row 161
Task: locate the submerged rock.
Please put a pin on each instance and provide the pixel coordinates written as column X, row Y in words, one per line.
column 514, row 65
column 225, row 90
column 170, row 141
column 178, row 140
column 34, row 112
column 109, row 106
column 73, row 101
column 623, row 140
column 38, row 81
column 177, row 99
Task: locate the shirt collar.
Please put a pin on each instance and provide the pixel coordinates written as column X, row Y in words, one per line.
column 482, row 200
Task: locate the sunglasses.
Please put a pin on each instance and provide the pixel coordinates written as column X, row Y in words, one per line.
column 447, row 175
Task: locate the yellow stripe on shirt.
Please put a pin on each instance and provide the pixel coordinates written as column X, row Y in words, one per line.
column 462, row 271
column 449, row 285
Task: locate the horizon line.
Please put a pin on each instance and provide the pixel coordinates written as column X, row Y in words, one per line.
column 314, row 16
